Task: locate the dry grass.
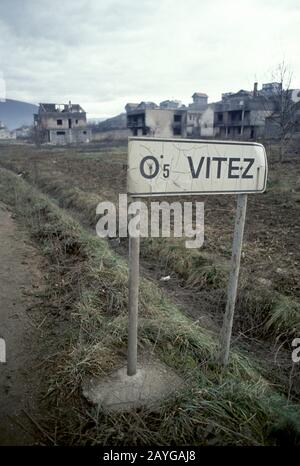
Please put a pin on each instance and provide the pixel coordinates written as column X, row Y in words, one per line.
column 258, row 307
column 233, row 407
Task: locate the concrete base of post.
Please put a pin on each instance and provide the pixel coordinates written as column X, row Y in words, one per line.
column 152, row 383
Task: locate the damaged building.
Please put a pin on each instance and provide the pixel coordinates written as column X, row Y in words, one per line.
column 61, row 124
column 251, row 114
column 200, row 117
column 171, row 118
column 159, row 122
column 244, row 115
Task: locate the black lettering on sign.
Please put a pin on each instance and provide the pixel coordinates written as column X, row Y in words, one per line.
column 245, row 173
column 195, row 174
column 219, row 160
column 148, row 160
column 231, row 168
column 208, row 167
column 166, row 170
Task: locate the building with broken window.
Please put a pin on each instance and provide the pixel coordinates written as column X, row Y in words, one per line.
column 61, row 124
column 242, row 115
column 171, row 119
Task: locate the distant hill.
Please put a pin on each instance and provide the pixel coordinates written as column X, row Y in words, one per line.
column 14, row 113
column 95, row 121
column 117, row 122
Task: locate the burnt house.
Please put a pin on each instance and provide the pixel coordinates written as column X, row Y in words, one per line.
column 242, row 115
column 159, row 122
column 171, row 118
column 61, row 124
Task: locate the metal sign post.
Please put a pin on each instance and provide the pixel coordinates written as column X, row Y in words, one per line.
column 133, row 303
column 225, row 336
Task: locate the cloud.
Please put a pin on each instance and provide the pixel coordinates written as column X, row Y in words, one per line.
column 105, row 53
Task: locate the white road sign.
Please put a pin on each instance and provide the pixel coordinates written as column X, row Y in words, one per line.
column 166, row 167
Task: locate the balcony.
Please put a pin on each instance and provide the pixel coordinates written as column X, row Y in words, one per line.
column 135, row 123
column 235, row 122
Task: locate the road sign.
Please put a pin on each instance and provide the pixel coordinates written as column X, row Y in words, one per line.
column 173, row 167
column 166, row 167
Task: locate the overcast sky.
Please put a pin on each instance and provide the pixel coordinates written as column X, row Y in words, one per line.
column 104, row 53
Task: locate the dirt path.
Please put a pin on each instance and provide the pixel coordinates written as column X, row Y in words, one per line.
column 20, row 279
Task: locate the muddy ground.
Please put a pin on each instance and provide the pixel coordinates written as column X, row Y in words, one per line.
column 21, row 279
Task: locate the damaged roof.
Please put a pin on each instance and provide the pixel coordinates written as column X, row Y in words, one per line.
column 60, row 108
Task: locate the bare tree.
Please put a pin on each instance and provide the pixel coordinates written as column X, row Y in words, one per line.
column 283, row 115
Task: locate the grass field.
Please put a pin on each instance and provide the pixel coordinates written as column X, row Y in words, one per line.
column 56, row 194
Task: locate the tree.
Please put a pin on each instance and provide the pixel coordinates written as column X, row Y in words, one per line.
column 283, row 115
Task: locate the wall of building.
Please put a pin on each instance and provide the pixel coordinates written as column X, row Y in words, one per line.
column 258, row 117
column 160, row 122
column 200, row 123
column 170, row 123
column 243, row 123
column 111, row 135
column 192, row 123
column 207, row 123
column 69, row 136
column 49, row 121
